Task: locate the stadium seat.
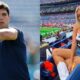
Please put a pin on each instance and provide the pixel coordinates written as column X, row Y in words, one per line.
column 68, row 45
column 65, row 40
column 57, row 44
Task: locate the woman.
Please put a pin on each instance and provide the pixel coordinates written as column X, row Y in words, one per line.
column 65, row 59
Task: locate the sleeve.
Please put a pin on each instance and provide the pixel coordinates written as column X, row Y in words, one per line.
column 20, row 42
column 20, row 37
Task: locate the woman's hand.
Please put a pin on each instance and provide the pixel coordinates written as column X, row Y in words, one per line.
column 70, row 65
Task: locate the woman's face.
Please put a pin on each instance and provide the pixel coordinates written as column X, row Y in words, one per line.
column 78, row 15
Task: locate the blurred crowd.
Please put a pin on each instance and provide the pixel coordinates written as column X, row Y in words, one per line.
column 54, row 1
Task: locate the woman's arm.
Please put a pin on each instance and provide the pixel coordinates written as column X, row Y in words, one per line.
column 73, row 47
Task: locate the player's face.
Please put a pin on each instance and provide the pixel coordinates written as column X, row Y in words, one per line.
column 78, row 15
column 4, row 18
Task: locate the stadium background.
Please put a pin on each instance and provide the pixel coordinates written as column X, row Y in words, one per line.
column 56, row 13
column 55, row 16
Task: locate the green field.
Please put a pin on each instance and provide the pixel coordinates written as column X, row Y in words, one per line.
column 47, row 31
